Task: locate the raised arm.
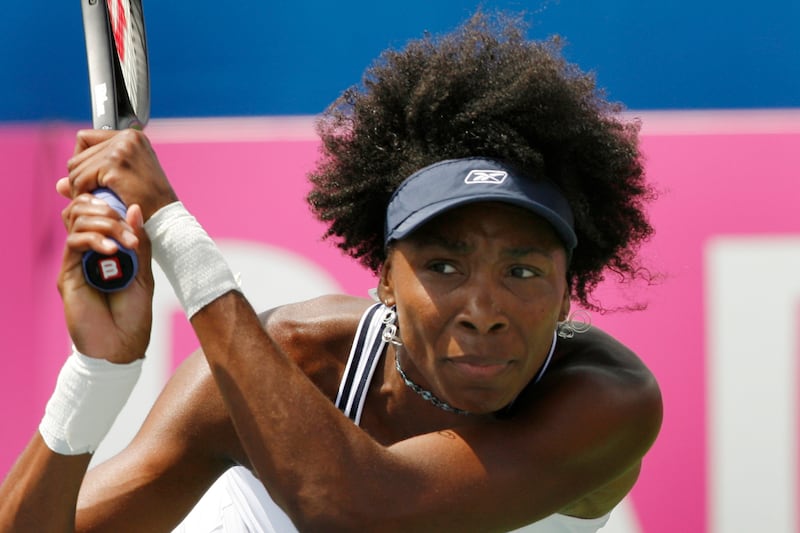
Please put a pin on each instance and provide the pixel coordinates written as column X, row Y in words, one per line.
column 111, row 334
column 583, row 429
column 590, row 426
column 184, row 444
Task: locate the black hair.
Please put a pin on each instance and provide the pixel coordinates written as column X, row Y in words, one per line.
column 485, row 90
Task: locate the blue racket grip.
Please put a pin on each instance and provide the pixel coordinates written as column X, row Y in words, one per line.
column 110, row 273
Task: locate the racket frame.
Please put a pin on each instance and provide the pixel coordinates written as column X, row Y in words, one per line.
column 111, row 105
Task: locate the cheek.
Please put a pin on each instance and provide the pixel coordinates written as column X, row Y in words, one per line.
column 421, row 323
column 542, row 300
column 536, row 330
column 416, row 316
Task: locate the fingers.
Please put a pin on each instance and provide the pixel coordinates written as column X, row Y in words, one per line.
column 134, row 218
column 63, row 187
column 102, row 157
column 92, row 224
column 121, row 161
column 135, row 221
column 83, row 169
column 88, row 138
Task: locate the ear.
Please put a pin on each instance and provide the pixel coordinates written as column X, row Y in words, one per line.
column 385, row 283
column 565, row 306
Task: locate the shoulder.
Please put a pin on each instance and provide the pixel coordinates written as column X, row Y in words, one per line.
column 596, row 358
column 595, row 373
column 601, row 409
column 572, row 444
column 328, row 320
column 317, row 334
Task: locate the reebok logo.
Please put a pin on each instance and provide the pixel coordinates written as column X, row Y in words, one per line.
column 486, row 176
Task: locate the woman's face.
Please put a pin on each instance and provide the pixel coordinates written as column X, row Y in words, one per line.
column 478, row 292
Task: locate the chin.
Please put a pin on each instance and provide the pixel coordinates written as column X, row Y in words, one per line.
column 488, row 405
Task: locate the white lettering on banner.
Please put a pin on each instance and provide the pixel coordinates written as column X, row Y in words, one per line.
column 270, row 277
column 753, row 290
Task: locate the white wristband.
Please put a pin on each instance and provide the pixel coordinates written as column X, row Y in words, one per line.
column 188, row 256
column 89, row 395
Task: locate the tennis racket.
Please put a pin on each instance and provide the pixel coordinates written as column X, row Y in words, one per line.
column 119, row 82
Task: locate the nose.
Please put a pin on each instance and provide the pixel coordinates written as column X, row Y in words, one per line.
column 482, row 311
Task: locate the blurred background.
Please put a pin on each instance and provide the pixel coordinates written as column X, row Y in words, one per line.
column 235, row 88
column 276, row 58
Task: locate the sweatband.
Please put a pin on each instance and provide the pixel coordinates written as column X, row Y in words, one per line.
column 188, row 256
column 89, row 395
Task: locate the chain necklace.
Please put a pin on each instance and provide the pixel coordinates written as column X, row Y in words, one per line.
column 389, row 335
column 426, row 394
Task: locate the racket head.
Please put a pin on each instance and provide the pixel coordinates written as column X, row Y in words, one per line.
column 116, row 52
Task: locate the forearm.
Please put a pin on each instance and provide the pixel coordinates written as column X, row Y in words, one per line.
column 322, row 469
column 41, row 490
column 43, row 486
column 327, row 473
column 294, row 437
column 303, row 450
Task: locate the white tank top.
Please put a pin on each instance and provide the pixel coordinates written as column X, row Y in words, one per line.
column 238, row 503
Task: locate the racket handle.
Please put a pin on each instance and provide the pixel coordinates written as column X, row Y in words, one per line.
column 110, row 273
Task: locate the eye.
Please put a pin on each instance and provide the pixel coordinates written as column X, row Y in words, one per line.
column 523, row 272
column 442, row 267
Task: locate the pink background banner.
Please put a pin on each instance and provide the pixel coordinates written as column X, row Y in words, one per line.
column 719, row 331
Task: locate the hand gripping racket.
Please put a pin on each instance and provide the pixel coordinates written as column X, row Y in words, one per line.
column 119, row 81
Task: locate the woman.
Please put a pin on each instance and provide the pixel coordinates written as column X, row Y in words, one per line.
column 488, row 184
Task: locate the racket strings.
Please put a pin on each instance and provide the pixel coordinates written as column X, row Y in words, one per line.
column 127, row 20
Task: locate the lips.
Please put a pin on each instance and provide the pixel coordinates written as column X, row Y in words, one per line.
column 479, row 368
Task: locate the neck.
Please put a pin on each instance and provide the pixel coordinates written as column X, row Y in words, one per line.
column 425, row 394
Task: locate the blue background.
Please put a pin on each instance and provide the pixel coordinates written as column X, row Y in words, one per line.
column 274, row 58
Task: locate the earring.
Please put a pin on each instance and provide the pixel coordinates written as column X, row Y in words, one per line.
column 389, row 333
column 578, row 322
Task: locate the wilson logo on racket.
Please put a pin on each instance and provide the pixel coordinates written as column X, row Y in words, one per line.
column 100, row 99
column 486, row 176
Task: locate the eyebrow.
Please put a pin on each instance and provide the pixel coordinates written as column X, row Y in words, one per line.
column 429, row 240
column 523, row 251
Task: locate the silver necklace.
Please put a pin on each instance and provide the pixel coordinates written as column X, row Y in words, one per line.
column 389, row 335
column 426, row 394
